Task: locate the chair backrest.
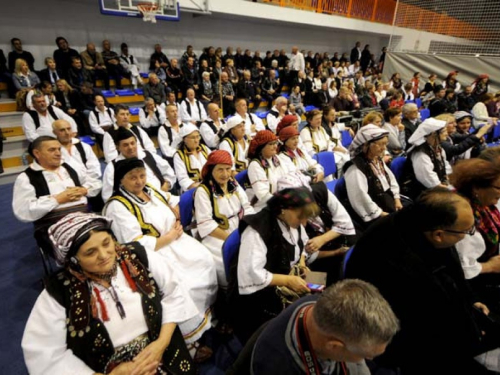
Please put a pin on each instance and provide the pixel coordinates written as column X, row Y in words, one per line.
column 327, row 160
column 230, row 249
column 496, row 132
column 341, row 189
column 397, row 167
column 418, row 102
column 346, row 138
column 425, row 114
column 241, row 178
column 331, row 185
column 186, row 205
column 346, row 259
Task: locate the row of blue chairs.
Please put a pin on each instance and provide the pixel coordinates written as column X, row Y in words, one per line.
column 417, row 101
column 124, row 92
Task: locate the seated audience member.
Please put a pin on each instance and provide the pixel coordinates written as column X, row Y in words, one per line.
column 230, row 69
column 429, row 85
column 174, row 77
column 160, row 174
column 94, row 64
column 415, row 82
column 332, row 129
column 295, row 99
column 348, row 323
column 168, row 134
column 373, row 117
column 270, row 88
column 343, row 101
column 480, row 86
column 476, row 180
column 130, row 67
column 372, row 189
column 417, row 269
column 277, row 112
column 78, row 75
column 101, row 119
column 85, row 282
column 480, row 111
column 155, row 89
column 23, row 78
column 160, row 57
column 408, row 92
column 380, row 93
column 44, row 88
column 450, row 101
column 219, row 204
column 87, row 98
column 112, row 61
column 39, row 121
column 396, row 129
column 314, row 136
column 437, row 105
column 207, row 89
column 323, row 96
column 451, row 82
column 396, row 82
column 397, row 100
column 272, row 244
column 190, row 78
column 228, row 95
column 151, row 117
column 160, row 73
column 332, row 88
column 410, row 120
column 190, row 157
column 143, row 213
column 64, row 56
column 192, row 110
column 19, row 53
column 236, row 143
column 253, row 124
column 70, row 102
column 426, row 166
column 49, row 189
column 464, row 145
column 248, row 90
column 213, row 128
column 122, row 116
column 294, row 158
column 265, row 168
column 51, row 73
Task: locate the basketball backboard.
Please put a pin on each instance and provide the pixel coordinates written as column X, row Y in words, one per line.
column 167, row 10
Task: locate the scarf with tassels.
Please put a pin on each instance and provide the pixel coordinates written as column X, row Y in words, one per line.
column 488, row 224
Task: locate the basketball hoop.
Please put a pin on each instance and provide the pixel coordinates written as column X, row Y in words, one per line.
column 148, row 11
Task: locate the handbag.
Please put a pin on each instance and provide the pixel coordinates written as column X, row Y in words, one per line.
column 287, row 295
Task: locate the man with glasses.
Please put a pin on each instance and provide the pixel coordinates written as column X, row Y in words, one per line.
column 410, row 257
column 410, row 120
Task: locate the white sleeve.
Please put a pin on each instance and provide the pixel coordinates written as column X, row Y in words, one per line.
column 203, row 114
column 342, row 222
column 392, row 182
column 287, row 163
column 272, row 122
column 305, row 135
column 252, row 258
column 29, row 100
column 357, row 193
column 94, row 126
column 185, row 114
column 143, row 119
column 470, row 249
column 181, row 172
column 259, row 125
column 109, row 148
column 245, row 203
column 210, row 138
column 224, row 145
column 90, row 182
column 93, row 165
column 44, row 341
column 148, row 143
column 203, row 210
column 259, row 181
column 166, row 170
column 29, row 127
column 108, row 179
column 424, row 170
column 25, row 205
column 165, row 143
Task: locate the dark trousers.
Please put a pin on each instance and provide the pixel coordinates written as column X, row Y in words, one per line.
column 117, row 72
column 103, row 75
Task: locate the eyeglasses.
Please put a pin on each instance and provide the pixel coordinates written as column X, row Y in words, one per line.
column 194, row 137
column 470, row 231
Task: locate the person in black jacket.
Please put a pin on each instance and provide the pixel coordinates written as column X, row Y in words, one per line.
column 465, row 100
column 19, row 53
column 64, row 55
column 366, row 58
column 356, row 53
column 77, row 74
column 249, row 90
column 51, row 73
column 438, row 105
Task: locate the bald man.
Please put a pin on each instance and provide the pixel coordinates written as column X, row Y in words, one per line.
column 192, row 109
column 213, row 128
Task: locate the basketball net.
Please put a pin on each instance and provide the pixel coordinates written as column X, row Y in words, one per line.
column 148, row 11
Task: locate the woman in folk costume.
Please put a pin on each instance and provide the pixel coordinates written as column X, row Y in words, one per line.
column 272, row 244
column 111, row 309
column 265, row 167
column 219, row 204
column 296, row 159
column 314, row 136
column 290, row 120
column 236, row 143
column 341, row 153
column 150, row 216
column 190, row 158
column 426, row 166
column 372, row 189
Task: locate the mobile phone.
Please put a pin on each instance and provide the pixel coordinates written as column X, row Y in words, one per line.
column 315, row 288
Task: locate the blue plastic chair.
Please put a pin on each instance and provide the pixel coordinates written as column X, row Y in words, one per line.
column 262, row 115
column 134, row 111
column 425, row 114
column 397, row 167
column 285, row 95
column 144, row 75
column 139, row 91
column 186, row 205
column 327, row 160
column 108, row 93
column 340, row 188
column 346, row 259
column 125, row 92
column 302, row 125
column 418, row 102
column 331, row 185
column 241, row 178
column 230, row 249
column 346, row 138
column 86, row 139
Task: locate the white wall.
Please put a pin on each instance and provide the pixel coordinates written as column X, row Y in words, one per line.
column 80, row 21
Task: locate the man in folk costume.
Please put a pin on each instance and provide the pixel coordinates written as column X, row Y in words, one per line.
column 253, row 124
column 193, row 110
column 101, row 118
column 151, row 117
column 168, row 135
column 213, row 128
column 276, row 114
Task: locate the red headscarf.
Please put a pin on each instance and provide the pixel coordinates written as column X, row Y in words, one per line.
column 287, row 133
column 261, row 138
column 285, row 121
column 216, row 157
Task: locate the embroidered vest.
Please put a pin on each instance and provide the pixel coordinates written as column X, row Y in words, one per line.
column 193, row 173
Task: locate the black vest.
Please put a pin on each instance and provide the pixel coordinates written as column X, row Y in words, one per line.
column 134, row 129
column 81, row 151
column 36, row 117
column 157, row 114
column 39, row 182
column 151, row 163
column 96, row 113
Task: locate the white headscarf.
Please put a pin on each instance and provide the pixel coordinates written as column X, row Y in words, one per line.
column 364, row 135
column 426, row 128
column 188, row 129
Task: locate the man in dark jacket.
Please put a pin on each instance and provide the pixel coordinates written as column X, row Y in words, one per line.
column 410, row 120
column 438, row 105
column 465, row 99
column 64, row 55
column 410, row 257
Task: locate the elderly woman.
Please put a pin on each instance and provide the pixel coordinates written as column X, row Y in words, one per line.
column 111, row 309
column 296, row 159
column 150, row 216
column 372, row 189
column 397, row 142
column 314, row 136
column 479, row 181
column 461, row 145
column 219, row 204
column 272, row 243
column 190, row 157
column 427, row 166
column 207, row 91
column 265, row 168
column 236, row 143
column 23, row 78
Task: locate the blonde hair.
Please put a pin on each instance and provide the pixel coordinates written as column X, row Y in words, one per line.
column 19, row 64
column 67, row 87
column 448, row 117
column 372, row 116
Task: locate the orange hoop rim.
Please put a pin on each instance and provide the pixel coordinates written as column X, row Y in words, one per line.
column 147, row 7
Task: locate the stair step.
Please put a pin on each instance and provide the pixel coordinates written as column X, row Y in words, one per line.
column 10, row 174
